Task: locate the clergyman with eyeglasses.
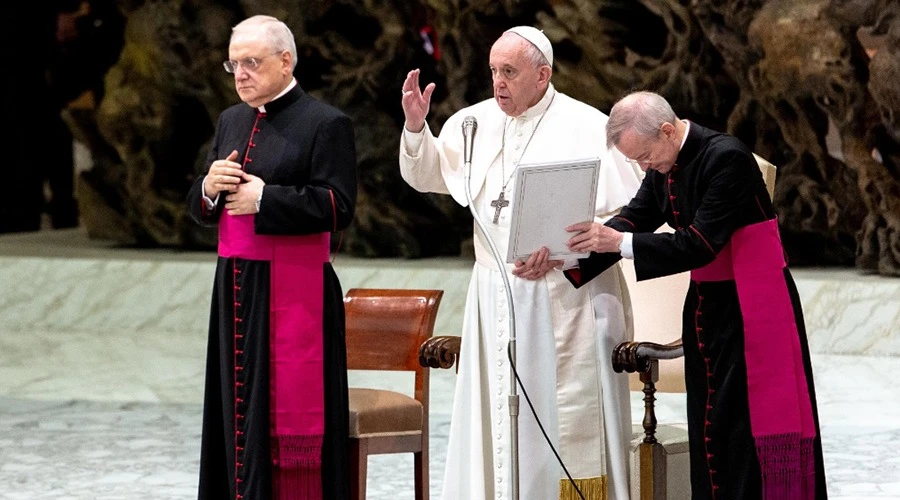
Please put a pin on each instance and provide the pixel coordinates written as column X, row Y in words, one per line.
column 751, row 401
column 281, row 178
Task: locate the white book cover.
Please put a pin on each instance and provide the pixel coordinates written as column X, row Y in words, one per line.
column 549, row 197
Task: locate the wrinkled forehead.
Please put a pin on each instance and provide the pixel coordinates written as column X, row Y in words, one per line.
column 508, row 49
column 248, row 45
column 634, row 145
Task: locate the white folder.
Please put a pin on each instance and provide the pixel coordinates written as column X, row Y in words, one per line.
column 549, row 197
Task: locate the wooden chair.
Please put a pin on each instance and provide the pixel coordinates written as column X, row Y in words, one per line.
column 659, row 367
column 385, row 328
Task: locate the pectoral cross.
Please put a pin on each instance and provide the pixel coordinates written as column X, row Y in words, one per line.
column 499, row 204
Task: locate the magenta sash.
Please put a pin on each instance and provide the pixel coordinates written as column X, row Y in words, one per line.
column 781, row 417
column 297, row 395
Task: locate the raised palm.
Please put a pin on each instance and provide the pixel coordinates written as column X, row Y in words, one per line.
column 415, row 101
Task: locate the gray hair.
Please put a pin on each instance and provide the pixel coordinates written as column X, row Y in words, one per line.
column 277, row 34
column 532, row 53
column 644, row 112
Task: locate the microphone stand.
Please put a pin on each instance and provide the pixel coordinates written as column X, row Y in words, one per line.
column 513, row 398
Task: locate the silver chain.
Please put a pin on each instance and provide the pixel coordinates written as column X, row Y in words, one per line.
column 503, row 145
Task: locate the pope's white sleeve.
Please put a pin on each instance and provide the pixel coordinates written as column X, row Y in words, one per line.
column 420, row 161
column 413, row 141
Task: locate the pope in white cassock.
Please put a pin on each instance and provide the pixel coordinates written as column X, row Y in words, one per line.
column 564, row 336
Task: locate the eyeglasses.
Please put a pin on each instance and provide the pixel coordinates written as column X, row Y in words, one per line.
column 248, row 63
column 645, row 159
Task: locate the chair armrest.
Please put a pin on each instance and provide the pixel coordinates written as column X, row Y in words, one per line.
column 643, row 357
column 637, row 356
column 440, row 352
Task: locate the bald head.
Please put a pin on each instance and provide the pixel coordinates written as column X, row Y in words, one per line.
column 642, row 112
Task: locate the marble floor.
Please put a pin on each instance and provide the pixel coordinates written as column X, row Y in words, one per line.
column 102, row 351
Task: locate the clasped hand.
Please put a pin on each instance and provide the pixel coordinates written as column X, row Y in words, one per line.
column 590, row 237
column 537, row 265
column 243, row 189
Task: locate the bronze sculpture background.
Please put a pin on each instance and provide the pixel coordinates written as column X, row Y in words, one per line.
column 810, row 85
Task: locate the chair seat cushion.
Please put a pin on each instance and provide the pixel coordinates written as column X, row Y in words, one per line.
column 376, row 411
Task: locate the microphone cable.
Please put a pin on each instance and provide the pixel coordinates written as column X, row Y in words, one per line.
column 469, row 126
column 541, row 425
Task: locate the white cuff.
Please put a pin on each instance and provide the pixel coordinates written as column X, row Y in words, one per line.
column 259, row 200
column 210, row 203
column 413, row 140
column 569, row 264
column 625, row 246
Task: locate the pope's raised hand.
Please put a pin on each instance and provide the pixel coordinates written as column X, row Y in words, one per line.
column 415, row 101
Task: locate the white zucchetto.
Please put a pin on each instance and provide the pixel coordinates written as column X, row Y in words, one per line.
column 537, row 38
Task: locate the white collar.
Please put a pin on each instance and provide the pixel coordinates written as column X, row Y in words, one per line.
column 262, row 109
column 541, row 106
column 687, row 128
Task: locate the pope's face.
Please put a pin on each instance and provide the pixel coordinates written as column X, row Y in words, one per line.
column 258, row 85
column 518, row 84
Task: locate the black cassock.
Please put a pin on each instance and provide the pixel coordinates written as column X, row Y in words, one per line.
column 304, row 151
column 715, row 189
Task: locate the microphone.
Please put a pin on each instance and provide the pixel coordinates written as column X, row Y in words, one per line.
column 469, row 125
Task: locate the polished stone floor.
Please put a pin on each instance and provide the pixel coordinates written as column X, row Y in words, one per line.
column 102, row 352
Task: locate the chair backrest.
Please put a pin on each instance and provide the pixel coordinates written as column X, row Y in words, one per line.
column 657, row 307
column 768, row 172
column 385, row 328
